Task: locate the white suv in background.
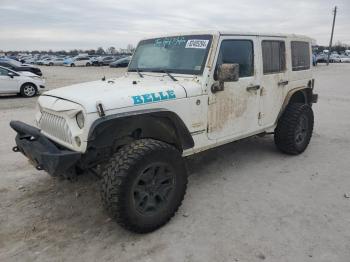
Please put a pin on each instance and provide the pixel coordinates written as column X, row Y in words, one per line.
column 25, row 83
column 79, row 61
column 54, row 62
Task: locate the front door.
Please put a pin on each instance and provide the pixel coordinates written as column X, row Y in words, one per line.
column 234, row 111
column 7, row 84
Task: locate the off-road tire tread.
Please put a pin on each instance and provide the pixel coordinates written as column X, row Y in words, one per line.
column 113, row 183
column 284, row 132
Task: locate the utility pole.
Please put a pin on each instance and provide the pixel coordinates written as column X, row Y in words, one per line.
column 330, row 42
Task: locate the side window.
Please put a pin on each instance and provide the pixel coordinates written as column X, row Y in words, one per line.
column 6, row 65
column 274, row 56
column 3, row 72
column 300, row 55
column 238, row 52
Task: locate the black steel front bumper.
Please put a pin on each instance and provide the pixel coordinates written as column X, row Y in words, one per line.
column 42, row 152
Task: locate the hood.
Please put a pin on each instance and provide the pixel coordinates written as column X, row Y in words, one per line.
column 123, row 92
column 26, row 67
column 27, row 73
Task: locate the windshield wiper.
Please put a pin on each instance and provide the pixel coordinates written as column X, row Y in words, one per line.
column 137, row 70
column 166, row 72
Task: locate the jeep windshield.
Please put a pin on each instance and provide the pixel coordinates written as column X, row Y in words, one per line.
column 176, row 54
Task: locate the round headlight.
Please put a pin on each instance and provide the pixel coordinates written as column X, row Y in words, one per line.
column 80, row 119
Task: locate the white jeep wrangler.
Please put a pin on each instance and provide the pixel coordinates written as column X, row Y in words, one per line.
column 180, row 95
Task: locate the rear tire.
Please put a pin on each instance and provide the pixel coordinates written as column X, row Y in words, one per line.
column 144, row 184
column 294, row 129
column 28, row 90
column 72, row 65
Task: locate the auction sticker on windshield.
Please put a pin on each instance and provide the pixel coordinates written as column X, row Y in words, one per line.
column 197, row 43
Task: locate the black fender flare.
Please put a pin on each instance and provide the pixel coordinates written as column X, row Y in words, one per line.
column 158, row 124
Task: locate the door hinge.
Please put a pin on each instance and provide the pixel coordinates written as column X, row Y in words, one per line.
column 262, row 91
column 260, row 115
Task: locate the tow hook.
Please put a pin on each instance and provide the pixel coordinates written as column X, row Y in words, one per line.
column 15, row 149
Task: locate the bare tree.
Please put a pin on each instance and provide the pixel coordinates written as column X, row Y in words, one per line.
column 111, row 50
column 100, row 51
column 130, row 48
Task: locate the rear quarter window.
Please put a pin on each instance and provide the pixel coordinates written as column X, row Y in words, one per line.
column 300, row 55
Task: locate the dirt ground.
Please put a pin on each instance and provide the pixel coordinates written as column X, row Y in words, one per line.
column 245, row 201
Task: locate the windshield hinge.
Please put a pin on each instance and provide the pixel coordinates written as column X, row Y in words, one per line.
column 262, row 91
column 211, row 100
column 260, row 115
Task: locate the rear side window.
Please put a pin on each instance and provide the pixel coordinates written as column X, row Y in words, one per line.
column 300, row 55
column 238, row 52
column 274, row 56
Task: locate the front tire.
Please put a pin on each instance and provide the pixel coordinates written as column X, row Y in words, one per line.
column 294, row 129
column 144, row 184
column 28, row 90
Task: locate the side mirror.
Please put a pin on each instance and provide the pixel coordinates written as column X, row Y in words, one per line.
column 225, row 73
column 228, row 72
column 10, row 74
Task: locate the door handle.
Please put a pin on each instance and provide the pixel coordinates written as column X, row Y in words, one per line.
column 253, row 88
column 283, row 83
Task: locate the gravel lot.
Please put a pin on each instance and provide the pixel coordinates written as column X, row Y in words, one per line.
column 245, row 201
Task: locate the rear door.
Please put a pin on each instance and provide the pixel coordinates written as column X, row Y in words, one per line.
column 274, row 79
column 233, row 111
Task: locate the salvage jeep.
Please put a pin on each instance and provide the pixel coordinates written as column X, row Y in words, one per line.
column 181, row 94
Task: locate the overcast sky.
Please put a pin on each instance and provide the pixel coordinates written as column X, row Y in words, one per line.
column 68, row 24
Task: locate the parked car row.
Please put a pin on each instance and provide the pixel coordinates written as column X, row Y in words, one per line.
column 121, row 60
column 79, row 60
column 112, row 61
column 333, row 58
column 27, row 80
